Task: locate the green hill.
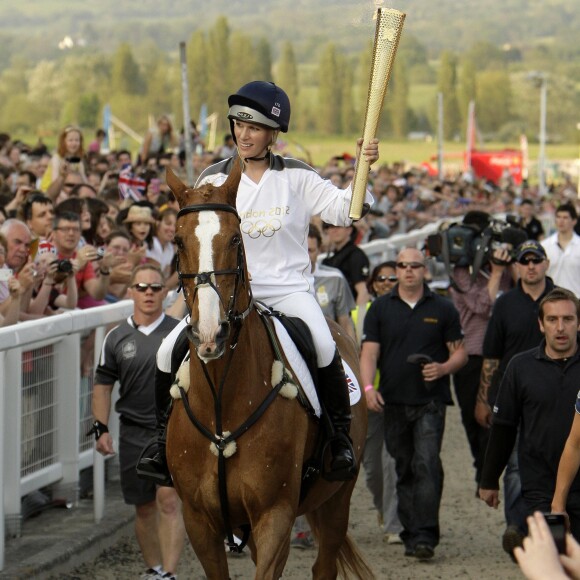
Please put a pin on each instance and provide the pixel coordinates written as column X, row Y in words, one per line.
column 34, row 28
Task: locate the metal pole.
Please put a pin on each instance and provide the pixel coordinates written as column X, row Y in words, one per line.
column 440, row 135
column 186, row 116
column 578, row 186
column 542, row 153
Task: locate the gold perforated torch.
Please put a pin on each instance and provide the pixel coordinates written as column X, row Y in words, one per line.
column 387, row 35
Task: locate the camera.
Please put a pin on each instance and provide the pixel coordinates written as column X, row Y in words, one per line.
column 73, row 159
column 473, row 241
column 64, row 266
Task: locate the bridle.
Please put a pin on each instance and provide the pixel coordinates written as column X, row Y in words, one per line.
column 221, row 439
column 205, row 278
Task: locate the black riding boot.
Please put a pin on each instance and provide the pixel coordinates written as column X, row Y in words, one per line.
column 335, row 399
column 152, row 464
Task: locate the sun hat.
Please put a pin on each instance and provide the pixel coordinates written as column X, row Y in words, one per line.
column 139, row 213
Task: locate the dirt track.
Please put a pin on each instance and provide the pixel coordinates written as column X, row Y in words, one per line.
column 470, row 544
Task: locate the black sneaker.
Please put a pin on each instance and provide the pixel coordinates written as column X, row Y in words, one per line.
column 512, row 538
column 424, row 552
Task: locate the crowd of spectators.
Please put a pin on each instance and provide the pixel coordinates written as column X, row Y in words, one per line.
column 100, row 186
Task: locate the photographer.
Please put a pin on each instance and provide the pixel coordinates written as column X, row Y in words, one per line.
column 474, row 299
column 56, row 287
column 92, row 288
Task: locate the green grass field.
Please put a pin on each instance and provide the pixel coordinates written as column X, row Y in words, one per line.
column 322, row 148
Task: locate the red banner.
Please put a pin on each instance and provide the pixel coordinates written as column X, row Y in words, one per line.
column 493, row 165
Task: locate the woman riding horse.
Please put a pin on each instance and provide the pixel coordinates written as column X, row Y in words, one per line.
column 276, row 199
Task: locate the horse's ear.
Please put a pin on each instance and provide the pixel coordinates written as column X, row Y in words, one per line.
column 177, row 186
column 233, row 181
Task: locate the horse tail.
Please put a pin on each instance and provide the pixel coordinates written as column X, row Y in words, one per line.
column 351, row 563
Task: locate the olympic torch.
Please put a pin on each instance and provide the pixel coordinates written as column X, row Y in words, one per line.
column 387, row 35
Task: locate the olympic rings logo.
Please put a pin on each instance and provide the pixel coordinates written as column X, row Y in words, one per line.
column 261, row 228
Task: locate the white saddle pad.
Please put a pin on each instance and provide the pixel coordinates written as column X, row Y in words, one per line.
column 302, row 374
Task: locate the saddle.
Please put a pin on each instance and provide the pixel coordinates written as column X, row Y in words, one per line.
column 302, row 337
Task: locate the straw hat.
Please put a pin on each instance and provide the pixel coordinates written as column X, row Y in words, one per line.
column 139, row 213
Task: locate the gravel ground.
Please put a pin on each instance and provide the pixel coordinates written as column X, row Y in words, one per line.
column 470, row 545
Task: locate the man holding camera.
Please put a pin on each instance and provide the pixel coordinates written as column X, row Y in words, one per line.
column 537, row 397
column 474, row 299
column 512, row 329
column 413, row 391
column 66, row 237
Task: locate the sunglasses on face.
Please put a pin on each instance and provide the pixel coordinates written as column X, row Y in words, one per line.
column 391, row 278
column 412, row 265
column 142, row 287
column 526, row 261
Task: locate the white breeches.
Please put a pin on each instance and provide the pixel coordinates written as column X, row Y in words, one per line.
column 299, row 304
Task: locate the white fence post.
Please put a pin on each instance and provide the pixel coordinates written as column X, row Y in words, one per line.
column 68, row 412
column 12, row 428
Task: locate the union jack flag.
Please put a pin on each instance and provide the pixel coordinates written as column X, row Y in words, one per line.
column 131, row 186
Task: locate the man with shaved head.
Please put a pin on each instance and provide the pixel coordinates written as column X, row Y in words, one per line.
column 414, row 391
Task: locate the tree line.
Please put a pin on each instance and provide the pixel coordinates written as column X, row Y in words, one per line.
column 328, row 96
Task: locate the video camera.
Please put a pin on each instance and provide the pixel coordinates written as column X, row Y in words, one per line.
column 472, row 242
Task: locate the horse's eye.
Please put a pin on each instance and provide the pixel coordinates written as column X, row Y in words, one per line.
column 178, row 243
column 236, row 240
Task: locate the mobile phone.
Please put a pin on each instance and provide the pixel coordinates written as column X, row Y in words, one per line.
column 558, row 524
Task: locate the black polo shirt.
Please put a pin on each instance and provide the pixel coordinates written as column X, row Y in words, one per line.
column 401, row 330
column 538, row 395
column 513, row 326
column 352, row 262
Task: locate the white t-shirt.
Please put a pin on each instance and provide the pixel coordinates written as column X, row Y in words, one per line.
column 163, row 255
column 564, row 264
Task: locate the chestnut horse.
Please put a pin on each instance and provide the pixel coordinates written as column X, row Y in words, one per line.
column 230, row 375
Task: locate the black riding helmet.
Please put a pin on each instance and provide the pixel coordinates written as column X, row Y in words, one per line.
column 262, row 103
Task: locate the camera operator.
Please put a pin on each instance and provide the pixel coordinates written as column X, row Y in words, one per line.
column 474, row 299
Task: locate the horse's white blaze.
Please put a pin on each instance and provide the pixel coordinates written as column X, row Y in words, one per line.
column 209, row 305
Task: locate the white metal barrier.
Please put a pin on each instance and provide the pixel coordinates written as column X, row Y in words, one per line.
column 45, row 408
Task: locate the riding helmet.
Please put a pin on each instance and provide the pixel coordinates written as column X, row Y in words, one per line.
column 262, row 103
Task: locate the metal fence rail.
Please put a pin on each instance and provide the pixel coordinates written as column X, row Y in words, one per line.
column 45, row 407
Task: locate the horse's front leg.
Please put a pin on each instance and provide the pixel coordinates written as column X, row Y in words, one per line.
column 271, row 536
column 208, row 546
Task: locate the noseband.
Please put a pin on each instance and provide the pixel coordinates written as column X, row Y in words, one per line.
column 205, row 278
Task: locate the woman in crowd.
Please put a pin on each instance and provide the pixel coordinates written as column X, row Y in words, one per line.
column 69, row 157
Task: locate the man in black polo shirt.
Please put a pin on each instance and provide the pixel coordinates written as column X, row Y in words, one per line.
column 411, row 319
column 537, row 394
column 128, row 356
column 513, row 328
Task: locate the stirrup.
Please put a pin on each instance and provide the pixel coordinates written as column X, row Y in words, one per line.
column 345, row 472
column 153, row 468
